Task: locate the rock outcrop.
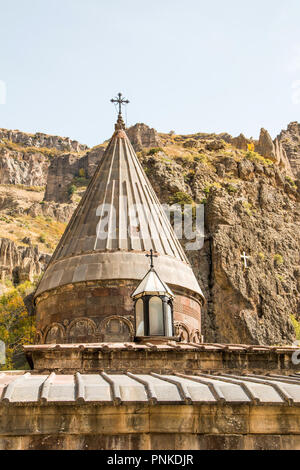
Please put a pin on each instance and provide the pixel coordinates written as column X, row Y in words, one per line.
column 60, row 176
column 273, row 150
column 29, row 169
column 25, row 158
column 65, row 168
column 290, row 140
column 265, row 146
column 141, row 136
column 64, row 144
column 169, row 178
column 240, row 142
column 21, row 263
column 54, row 210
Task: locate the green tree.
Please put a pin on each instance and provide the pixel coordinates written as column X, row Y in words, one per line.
column 71, row 189
column 17, row 327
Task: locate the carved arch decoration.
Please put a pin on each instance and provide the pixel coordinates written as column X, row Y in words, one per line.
column 116, row 329
column 182, row 331
column 54, row 334
column 196, row 337
column 82, row 330
column 38, row 339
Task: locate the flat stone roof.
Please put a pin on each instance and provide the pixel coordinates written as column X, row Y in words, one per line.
column 21, row 387
column 165, row 357
column 170, row 346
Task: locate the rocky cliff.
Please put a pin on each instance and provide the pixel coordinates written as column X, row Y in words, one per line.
column 40, row 140
column 27, row 168
column 142, row 136
column 25, row 158
column 290, row 140
column 250, row 190
column 274, row 150
column 69, row 170
column 20, row 263
column 251, row 205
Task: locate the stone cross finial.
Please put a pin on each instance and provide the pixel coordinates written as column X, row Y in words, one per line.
column 121, row 102
column 151, row 256
column 244, row 257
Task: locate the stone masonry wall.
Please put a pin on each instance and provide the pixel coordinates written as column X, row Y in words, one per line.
column 146, row 427
column 103, row 311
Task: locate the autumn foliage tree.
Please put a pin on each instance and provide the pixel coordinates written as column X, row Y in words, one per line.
column 17, row 327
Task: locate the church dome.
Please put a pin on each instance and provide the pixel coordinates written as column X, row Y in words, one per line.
column 100, row 258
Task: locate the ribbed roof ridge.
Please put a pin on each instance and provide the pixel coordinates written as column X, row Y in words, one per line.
column 119, row 175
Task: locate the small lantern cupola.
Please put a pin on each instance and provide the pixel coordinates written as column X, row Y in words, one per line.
column 153, row 306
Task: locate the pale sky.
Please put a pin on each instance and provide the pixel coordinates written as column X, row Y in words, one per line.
column 185, row 65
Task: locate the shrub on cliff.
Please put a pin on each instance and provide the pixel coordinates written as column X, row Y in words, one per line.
column 42, row 238
column 291, row 181
column 296, row 326
column 278, row 259
column 154, row 151
column 181, row 198
column 71, row 189
column 254, row 156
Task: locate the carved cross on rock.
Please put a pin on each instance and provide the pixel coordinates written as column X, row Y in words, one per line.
column 245, row 258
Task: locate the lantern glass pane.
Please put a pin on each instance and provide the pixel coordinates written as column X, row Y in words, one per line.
column 139, row 318
column 169, row 323
column 156, row 320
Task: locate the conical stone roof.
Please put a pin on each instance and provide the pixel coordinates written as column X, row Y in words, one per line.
column 121, row 194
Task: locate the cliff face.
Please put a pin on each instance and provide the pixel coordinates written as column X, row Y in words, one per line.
column 251, row 197
column 65, row 169
column 290, row 140
column 25, row 158
column 142, row 136
column 250, row 206
column 40, row 140
column 21, row 263
column 29, row 169
column 252, row 305
column 274, row 150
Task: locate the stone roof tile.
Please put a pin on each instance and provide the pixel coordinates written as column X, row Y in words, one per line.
column 18, row 388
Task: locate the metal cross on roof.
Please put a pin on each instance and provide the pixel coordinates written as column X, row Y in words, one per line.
column 245, row 257
column 151, row 256
column 120, row 101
